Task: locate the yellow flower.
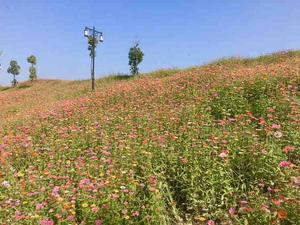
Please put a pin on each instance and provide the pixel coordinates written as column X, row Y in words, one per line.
column 20, row 174
column 60, row 199
column 67, row 206
column 35, row 216
column 200, row 218
column 84, row 205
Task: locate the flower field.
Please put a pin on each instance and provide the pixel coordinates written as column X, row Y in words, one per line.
column 217, row 144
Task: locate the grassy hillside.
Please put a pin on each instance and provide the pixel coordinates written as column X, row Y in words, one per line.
column 217, row 144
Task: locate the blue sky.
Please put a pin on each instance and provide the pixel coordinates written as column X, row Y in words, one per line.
column 172, row 33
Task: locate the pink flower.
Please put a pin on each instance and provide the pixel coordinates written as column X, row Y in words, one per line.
column 243, row 203
column 135, row 214
column 211, row 222
column 39, row 206
column 114, row 196
column 284, row 164
column 106, row 153
column 276, row 126
column 105, row 206
column 55, row 192
column 84, row 182
column 223, row 154
column 46, row 222
column 71, row 218
column 109, row 161
column 19, row 216
column 125, row 191
column 296, row 181
column 265, row 208
column 232, row 211
column 6, row 184
column 30, row 194
column 95, row 209
column 98, row 222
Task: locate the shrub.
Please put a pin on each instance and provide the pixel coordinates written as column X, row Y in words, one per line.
column 23, row 86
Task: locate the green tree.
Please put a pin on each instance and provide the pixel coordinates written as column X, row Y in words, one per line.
column 32, row 73
column 135, row 58
column 32, row 70
column 92, row 45
column 14, row 69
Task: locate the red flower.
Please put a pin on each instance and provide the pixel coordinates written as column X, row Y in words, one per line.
column 276, row 202
column 281, row 214
column 98, row 222
column 288, row 149
column 284, row 164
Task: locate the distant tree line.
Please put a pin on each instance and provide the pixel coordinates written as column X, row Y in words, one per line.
column 14, row 69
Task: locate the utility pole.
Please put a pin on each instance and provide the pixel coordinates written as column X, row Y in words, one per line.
column 93, row 36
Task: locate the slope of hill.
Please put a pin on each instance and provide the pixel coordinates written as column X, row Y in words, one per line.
column 217, row 144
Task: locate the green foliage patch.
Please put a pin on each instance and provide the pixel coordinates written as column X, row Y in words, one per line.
column 250, row 96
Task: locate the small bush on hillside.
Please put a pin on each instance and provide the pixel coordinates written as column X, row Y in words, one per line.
column 119, row 76
column 163, row 73
column 4, row 88
column 23, row 86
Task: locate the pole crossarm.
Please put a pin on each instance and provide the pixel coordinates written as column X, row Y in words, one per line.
column 92, row 32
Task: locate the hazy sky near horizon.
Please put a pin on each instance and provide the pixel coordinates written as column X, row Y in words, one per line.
column 172, row 33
